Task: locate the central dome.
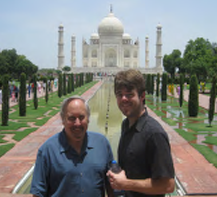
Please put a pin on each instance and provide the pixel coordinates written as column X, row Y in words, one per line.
column 110, row 26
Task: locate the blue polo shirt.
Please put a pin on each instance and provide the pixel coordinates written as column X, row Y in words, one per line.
column 61, row 172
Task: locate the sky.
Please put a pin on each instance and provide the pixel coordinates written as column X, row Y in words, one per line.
column 31, row 26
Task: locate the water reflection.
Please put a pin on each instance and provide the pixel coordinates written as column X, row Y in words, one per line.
column 105, row 117
column 174, row 112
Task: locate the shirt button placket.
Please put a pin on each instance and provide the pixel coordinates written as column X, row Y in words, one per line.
column 82, row 189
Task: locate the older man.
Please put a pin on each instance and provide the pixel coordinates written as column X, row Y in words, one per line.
column 73, row 162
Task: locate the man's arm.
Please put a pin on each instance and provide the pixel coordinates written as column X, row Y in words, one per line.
column 147, row 186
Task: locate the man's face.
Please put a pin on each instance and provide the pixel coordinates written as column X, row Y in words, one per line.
column 129, row 102
column 76, row 121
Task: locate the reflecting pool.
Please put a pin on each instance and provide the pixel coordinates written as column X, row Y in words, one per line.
column 105, row 116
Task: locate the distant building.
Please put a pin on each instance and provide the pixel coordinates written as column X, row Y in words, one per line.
column 110, row 49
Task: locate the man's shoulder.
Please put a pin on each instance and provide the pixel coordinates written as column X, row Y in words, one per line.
column 53, row 140
column 96, row 137
column 95, row 134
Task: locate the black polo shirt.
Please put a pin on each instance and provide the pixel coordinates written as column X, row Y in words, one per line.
column 144, row 151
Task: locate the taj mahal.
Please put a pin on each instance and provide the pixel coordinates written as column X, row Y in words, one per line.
column 110, row 50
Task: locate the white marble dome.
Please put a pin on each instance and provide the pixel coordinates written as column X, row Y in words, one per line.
column 94, row 36
column 126, row 36
column 110, row 26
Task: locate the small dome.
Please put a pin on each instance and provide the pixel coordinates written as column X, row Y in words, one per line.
column 61, row 25
column 126, row 36
column 95, row 36
column 110, row 26
column 159, row 26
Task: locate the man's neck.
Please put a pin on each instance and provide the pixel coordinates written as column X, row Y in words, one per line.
column 134, row 119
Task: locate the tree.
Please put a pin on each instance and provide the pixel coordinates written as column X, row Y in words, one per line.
column 26, row 66
column 77, row 80
column 213, row 67
column 22, row 99
column 148, row 84
column 152, row 84
column 10, row 57
column 5, row 100
column 181, row 82
column 212, row 100
column 4, row 65
column 14, row 64
column 64, row 84
column 35, row 98
column 69, row 84
column 72, row 82
column 172, row 62
column 157, row 84
column 164, row 87
column 60, row 85
column 193, row 104
column 197, row 57
column 46, row 91
column 66, row 69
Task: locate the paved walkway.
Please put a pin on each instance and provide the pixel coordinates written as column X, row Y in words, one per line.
column 203, row 99
column 196, row 175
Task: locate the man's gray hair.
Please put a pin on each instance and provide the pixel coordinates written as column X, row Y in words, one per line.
column 67, row 101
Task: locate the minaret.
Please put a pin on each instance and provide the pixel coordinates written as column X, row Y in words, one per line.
column 73, row 53
column 146, row 52
column 60, row 49
column 159, row 47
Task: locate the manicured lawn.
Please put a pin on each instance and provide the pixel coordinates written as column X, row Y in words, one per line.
column 190, row 128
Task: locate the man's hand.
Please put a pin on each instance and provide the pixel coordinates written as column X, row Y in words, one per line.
column 117, row 180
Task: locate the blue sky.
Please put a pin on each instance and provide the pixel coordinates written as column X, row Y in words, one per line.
column 31, row 26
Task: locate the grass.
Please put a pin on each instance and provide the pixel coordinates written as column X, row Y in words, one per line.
column 6, row 148
column 37, row 116
column 190, row 128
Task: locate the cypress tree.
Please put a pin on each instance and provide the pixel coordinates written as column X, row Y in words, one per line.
column 22, row 99
column 64, row 84
column 157, row 84
column 181, row 82
column 72, row 81
column 148, row 84
column 212, row 101
column 76, row 82
column 80, row 80
column 69, row 84
column 87, row 77
column 5, row 100
column 164, row 87
column 46, row 91
column 152, row 84
column 60, row 85
column 193, row 105
column 35, row 98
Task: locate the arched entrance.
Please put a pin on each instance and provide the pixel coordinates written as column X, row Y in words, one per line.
column 110, row 58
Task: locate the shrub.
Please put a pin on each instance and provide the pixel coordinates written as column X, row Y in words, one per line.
column 181, row 82
column 35, row 98
column 212, row 100
column 22, row 98
column 157, row 83
column 164, row 87
column 193, row 104
column 5, row 100
column 60, row 85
